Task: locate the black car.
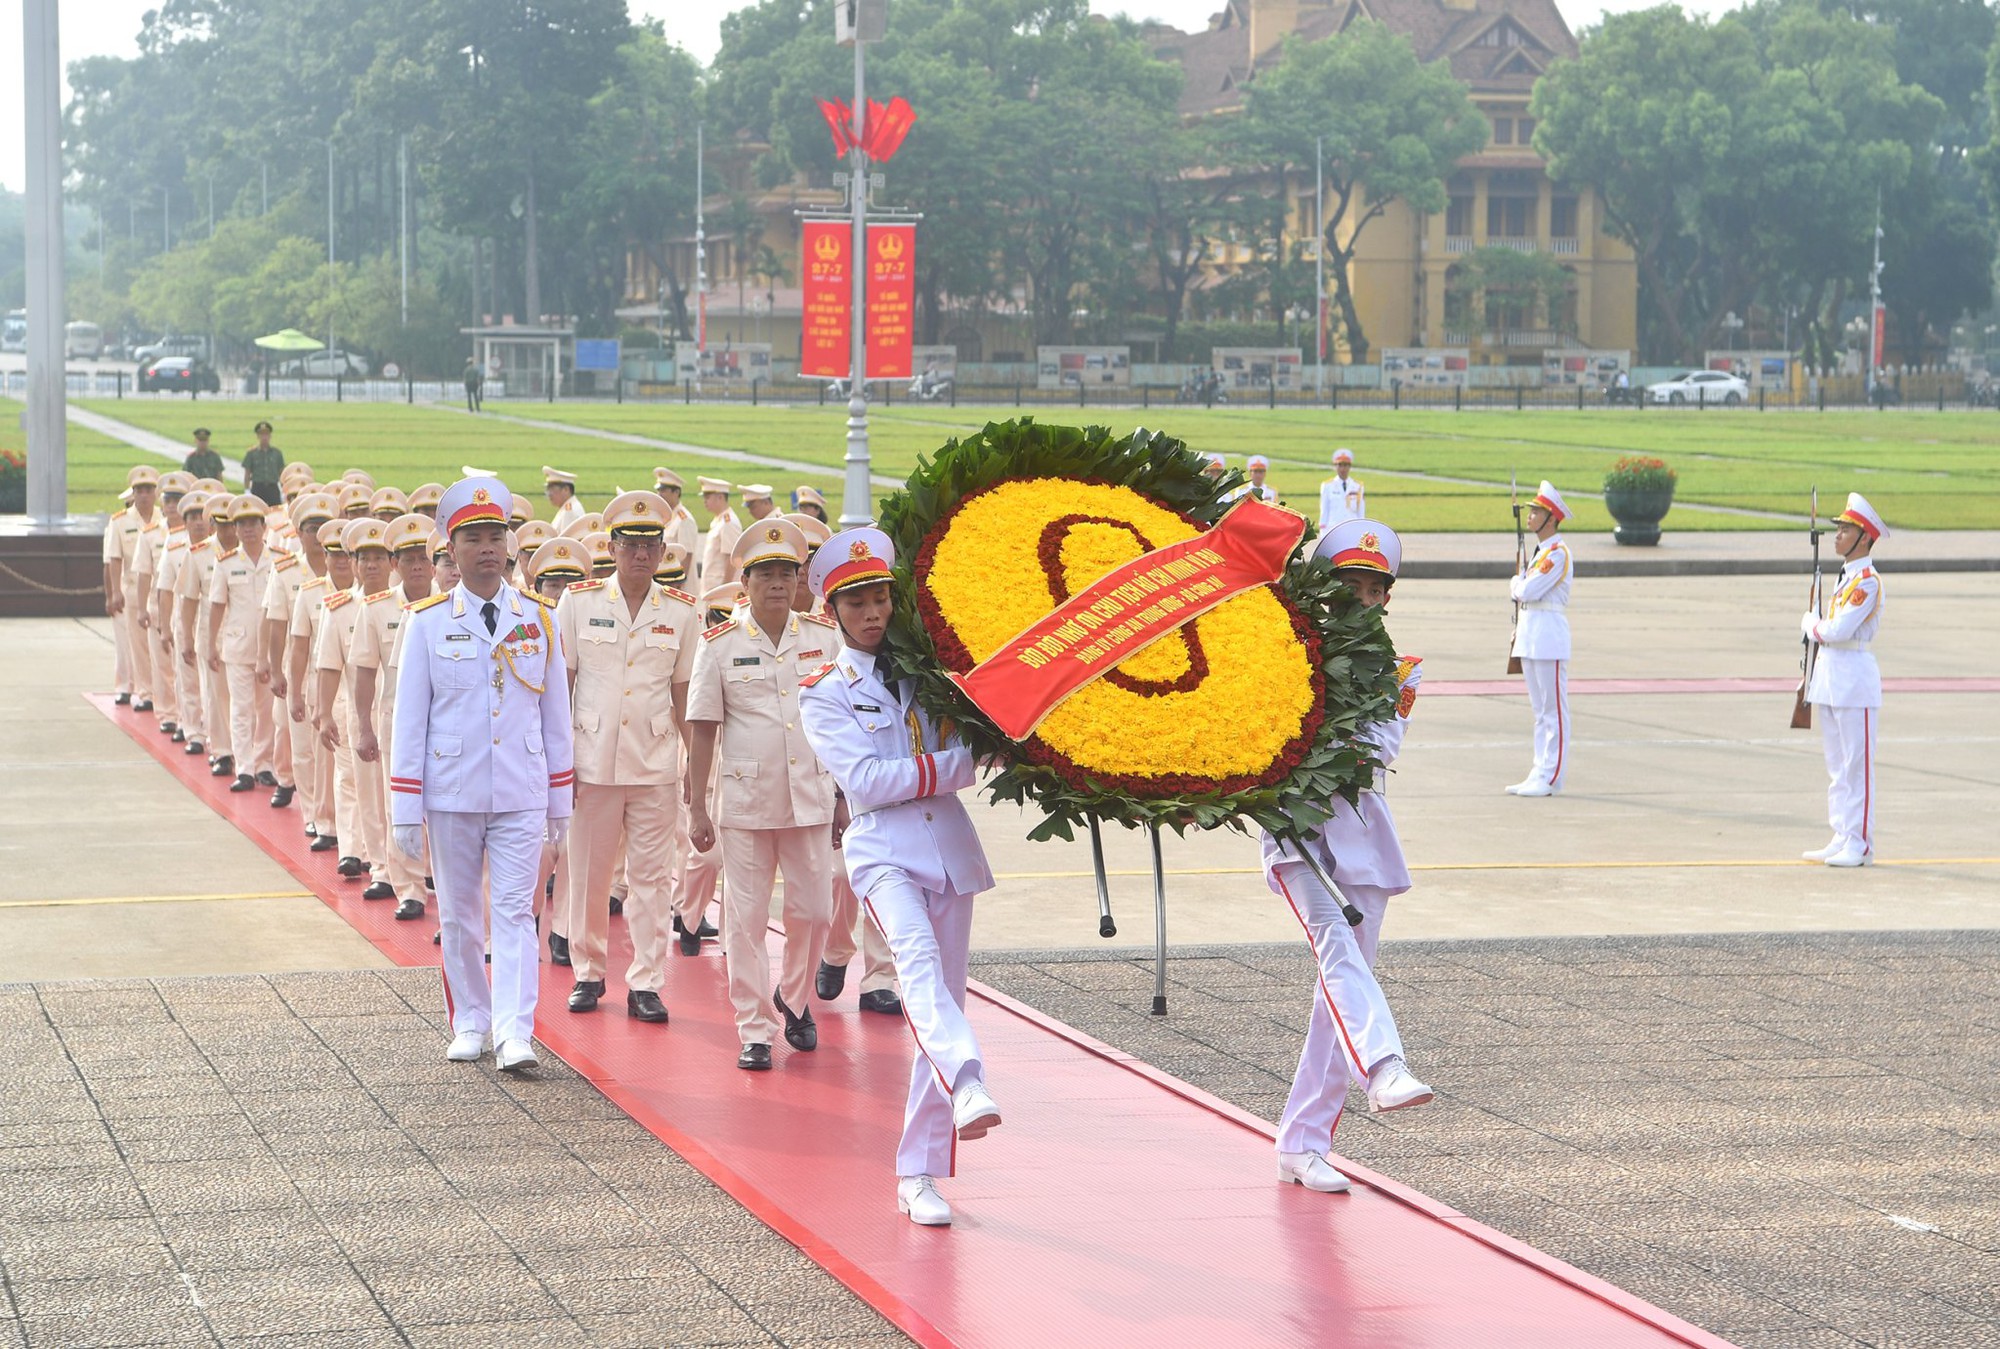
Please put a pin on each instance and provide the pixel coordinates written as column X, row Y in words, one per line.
column 179, row 374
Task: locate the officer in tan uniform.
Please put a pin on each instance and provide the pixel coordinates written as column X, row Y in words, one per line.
column 724, row 529
column 191, row 590
column 298, row 754
column 366, row 543
column 699, row 871
column 388, row 504
column 630, row 646
column 682, row 528
column 235, row 621
column 559, row 485
column 123, row 536
column 154, row 545
column 583, row 526
column 186, row 707
column 757, row 503
column 353, row 498
column 333, row 788
column 372, row 663
column 776, row 802
column 424, row 500
column 808, row 501
column 552, row 569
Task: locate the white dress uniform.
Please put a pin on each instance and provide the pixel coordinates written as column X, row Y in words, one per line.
column 480, row 756
column 1541, row 640
column 912, row 854
column 628, row 759
column 237, row 588
column 1341, row 499
column 774, row 800
column 1846, row 689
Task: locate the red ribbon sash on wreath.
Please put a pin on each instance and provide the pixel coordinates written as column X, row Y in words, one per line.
column 1127, row 610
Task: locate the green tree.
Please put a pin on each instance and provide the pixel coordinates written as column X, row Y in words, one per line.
column 1392, row 128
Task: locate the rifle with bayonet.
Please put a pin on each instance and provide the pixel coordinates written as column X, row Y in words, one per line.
column 1520, row 568
column 1801, row 709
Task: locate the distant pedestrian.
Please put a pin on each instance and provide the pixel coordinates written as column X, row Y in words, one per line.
column 202, row 461
column 475, row 382
column 263, row 464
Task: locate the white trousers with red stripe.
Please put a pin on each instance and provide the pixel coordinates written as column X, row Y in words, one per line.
column 481, row 861
column 1548, row 696
column 1849, row 735
column 1352, row 1028
column 929, row 935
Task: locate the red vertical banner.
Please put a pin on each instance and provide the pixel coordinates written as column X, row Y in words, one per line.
column 824, row 351
column 1880, row 336
column 892, row 263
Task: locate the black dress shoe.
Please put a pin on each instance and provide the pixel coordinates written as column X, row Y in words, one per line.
column 123, row 700
column 223, row 767
column 704, row 931
column 244, row 783
column 324, row 843
column 437, row 938
column 409, row 909
column 800, row 1032
column 282, row 797
column 829, row 981
column 379, row 890
column 687, row 943
column 193, row 747
column 143, row 705
column 755, row 1058
column 179, row 737
column 167, row 728
column 350, row 867
column 883, row 1000
column 617, row 905
column 430, row 885
column 645, row 1005
column 583, row 998
column 267, row 779
column 558, row 949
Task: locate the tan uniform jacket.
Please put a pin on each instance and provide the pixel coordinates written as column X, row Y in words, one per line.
column 238, row 586
column 723, row 532
column 622, row 705
column 335, row 640
column 685, row 531
column 767, row 775
column 288, row 573
column 148, row 542
column 374, row 636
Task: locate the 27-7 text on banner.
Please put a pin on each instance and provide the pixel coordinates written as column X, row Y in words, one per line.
column 892, row 259
column 824, row 344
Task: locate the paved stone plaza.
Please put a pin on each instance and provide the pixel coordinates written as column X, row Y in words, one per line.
column 1755, row 1092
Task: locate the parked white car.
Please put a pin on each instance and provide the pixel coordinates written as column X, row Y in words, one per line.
column 326, row 365
column 1700, row 386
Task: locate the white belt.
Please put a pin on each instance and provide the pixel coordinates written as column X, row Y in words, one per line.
column 1543, row 606
column 1856, row 645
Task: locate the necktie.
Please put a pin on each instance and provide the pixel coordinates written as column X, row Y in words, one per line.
column 491, row 612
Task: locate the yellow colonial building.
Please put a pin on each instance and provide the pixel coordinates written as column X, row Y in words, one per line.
column 1404, row 272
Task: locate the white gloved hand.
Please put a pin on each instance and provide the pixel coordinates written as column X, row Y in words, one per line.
column 1808, row 622
column 410, row 841
column 554, row 834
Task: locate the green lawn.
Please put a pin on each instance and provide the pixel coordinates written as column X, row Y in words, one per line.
column 1921, row 469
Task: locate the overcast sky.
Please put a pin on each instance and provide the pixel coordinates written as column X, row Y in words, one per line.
column 109, row 27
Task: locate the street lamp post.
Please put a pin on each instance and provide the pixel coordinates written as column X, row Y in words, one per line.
column 48, row 449
column 859, row 22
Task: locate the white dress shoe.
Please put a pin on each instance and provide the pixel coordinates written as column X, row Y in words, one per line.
column 1853, row 855
column 973, row 1111
column 1390, row 1087
column 1821, row 854
column 1535, row 789
column 1514, row 788
column 514, row 1055
column 918, row 1197
column 1312, row 1171
column 467, row 1046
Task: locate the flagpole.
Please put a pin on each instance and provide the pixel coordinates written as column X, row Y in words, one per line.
column 1319, row 257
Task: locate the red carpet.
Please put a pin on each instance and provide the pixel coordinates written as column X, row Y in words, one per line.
column 1116, row 1206
column 1467, row 688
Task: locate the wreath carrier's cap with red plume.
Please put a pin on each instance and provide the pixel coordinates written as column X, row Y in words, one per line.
column 852, row 557
column 1549, row 499
column 1859, row 512
column 1367, row 544
column 474, row 501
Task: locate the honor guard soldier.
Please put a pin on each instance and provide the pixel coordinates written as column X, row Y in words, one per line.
column 366, row 542
column 294, row 756
column 630, row 645
column 424, row 501
column 912, row 855
column 1352, row 1033
column 480, row 758
column 1341, row 497
column 1260, row 468
column 681, row 529
column 373, row 663
column 1542, row 642
column 1847, row 686
column 724, row 529
column 124, row 533
column 775, row 801
column 235, row 622
column 329, row 799
column 559, row 485
column 197, row 573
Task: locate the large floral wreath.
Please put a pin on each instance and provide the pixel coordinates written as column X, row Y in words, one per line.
column 1246, row 713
